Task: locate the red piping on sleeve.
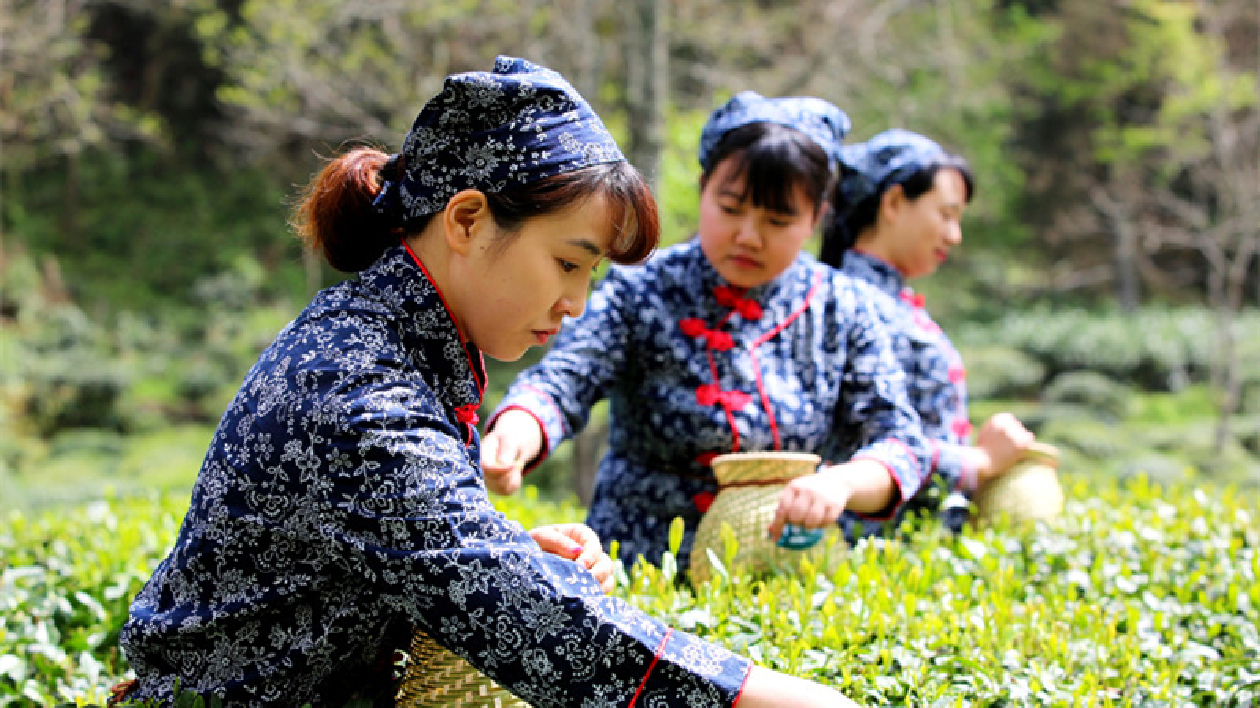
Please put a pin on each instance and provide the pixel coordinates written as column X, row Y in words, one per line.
column 659, row 650
column 743, row 685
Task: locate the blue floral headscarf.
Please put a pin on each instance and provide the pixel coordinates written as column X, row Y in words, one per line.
column 889, row 158
column 514, row 125
column 820, row 120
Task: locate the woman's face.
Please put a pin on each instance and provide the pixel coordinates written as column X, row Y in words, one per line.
column 920, row 233
column 515, row 296
column 749, row 245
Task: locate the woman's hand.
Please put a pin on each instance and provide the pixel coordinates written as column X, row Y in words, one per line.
column 813, row 501
column 578, row 543
column 766, row 688
column 1001, row 442
column 505, row 450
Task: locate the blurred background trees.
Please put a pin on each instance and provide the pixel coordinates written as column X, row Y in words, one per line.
column 149, row 150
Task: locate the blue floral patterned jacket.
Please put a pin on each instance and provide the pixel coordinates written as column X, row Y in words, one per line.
column 341, row 505
column 693, row 368
column 934, row 371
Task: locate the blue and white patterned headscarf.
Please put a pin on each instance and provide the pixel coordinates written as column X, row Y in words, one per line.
column 818, row 119
column 889, row 158
column 489, row 131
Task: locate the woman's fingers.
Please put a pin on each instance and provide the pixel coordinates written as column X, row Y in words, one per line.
column 814, row 501
column 501, row 463
column 579, row 543
column 603, row 572
column 554, row 541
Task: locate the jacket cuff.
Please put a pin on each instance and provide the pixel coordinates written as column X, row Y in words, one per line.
column 905, row 468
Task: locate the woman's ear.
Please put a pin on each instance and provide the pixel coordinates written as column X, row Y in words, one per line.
column 892, row 202
column 466, row 215
column 822, row 212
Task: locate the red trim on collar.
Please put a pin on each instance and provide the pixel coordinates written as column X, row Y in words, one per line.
column 481, row 392
column 915, row 299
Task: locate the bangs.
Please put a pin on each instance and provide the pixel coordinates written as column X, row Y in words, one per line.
column 775, row 165
column 636, row 224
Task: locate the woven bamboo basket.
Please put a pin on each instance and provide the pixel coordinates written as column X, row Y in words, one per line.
column 1029, row 491
column 749, row 488
column 439, row 678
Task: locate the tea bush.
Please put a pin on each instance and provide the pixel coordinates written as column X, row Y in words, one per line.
column 1155, row 348
column 1139, row 596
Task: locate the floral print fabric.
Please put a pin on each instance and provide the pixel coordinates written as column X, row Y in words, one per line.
column 341, row 506
column 694, row 368
column 821, row 120
column 492, row 130
column 936, row 379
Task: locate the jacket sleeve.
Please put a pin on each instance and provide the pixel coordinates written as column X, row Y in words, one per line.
column 875, row 403
column 581, row 364
column 952, row 466
column 412, row 515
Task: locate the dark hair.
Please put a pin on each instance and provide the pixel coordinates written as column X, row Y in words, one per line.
column 335, row 215
column 841, row 231
column 773, row 159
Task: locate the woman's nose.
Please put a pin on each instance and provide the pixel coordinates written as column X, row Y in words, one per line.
column 748, row 234
column 571, row 304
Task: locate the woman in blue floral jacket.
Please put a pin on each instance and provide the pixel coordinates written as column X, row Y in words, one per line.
column 898, row 212
column 341, row 507
column 734, row 341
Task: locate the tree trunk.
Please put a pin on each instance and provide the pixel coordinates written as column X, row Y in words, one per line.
column 646, row 55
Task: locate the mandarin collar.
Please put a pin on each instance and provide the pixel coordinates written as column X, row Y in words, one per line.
column 401, row 282
column 876, row 271
column 712, row 283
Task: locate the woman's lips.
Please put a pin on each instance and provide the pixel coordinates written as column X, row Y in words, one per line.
column 745, row 262
column 542, row 335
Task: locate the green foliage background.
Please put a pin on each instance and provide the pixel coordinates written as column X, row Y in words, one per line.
column 151, row 152
column 1141, row 595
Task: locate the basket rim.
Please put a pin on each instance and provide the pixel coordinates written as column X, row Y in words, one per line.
column 1042, row 452
column 766, row 455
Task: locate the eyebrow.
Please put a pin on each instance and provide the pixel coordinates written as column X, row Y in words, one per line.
column 587, row 246
column 742, row 197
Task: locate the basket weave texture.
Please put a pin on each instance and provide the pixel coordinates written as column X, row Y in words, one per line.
column 750, row 486
column 1029, row 491
column 438, row 678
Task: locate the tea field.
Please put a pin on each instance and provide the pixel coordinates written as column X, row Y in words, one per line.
column 1141, row 595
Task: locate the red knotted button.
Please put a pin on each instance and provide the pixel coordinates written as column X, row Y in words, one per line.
column 720, row 341
column 467, row 414
column 705, row 459
column 692, row 327
column 708, row 394
column 749, row 309
column 726, row 296
column 703, row 500
column 735, row 399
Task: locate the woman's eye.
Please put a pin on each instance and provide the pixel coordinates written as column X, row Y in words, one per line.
column 729, row 210
column 567, row 266
column 780, row 222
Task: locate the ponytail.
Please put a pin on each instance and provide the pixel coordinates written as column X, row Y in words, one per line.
column 335, row 216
